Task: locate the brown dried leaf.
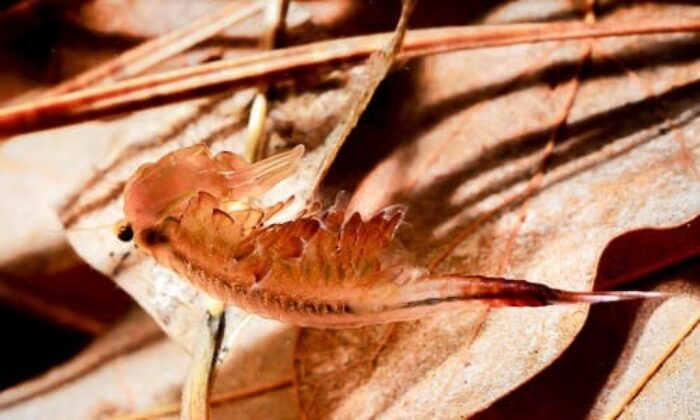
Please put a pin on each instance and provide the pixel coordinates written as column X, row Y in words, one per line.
column 130, row 334
column 623, row 360
column 474, row 127
column 673, row 390
column 634, row 387
column 134, row 368
column 173, row 302
column 376, row 367
column 145, row 19
column 219, row 122
column 39, row 273
column 102, row 381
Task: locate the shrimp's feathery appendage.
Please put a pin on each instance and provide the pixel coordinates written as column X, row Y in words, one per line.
column 165, row 187
column 323, row 269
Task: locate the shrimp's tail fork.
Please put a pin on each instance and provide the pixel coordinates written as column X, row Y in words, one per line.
column 505, row 292
column 453, row 288
column 563, row 296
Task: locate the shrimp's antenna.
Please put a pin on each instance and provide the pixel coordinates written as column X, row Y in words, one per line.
column 88, row 228
column 80, row 229
column 122, row 229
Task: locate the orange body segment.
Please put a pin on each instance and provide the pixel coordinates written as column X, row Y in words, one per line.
column 324, row 269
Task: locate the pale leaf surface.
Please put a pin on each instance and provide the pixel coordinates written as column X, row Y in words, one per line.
column 134, row 368
column 634, row 360
column 470, row 138
column 673, row 389
column 473, row 133
column 218, row 123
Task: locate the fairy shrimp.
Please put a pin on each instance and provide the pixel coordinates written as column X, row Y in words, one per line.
column 325, row 269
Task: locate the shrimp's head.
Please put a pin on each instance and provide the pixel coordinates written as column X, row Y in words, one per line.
column 163, row 189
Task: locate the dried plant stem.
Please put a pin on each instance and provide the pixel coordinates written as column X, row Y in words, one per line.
column 378, row 67
column 195, row 395
column 653, row 368
column 195, row 399
column 205, row 79
column 216, row 399
column 536, row 181
column 134, row 333
column 145, row 56
column 685, row 156
column 559, row 122
column 274, row 16
column 256, row 127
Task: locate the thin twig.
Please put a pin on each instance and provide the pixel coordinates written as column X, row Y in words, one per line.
column 535, row 182
column 653, row 368
column 134, row 333
column 378, row 67
column 431, row 156
column 145, row 56
column 686, row 157
column 208, row 78
column 216, row 399
column 274, row 18
column 559, row 122
column 195, row 395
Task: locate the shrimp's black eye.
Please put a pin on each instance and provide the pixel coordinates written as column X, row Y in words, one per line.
column 125, row 233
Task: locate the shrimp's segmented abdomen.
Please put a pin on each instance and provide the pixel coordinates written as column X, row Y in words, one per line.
column 323, row 269
column 307, row 271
